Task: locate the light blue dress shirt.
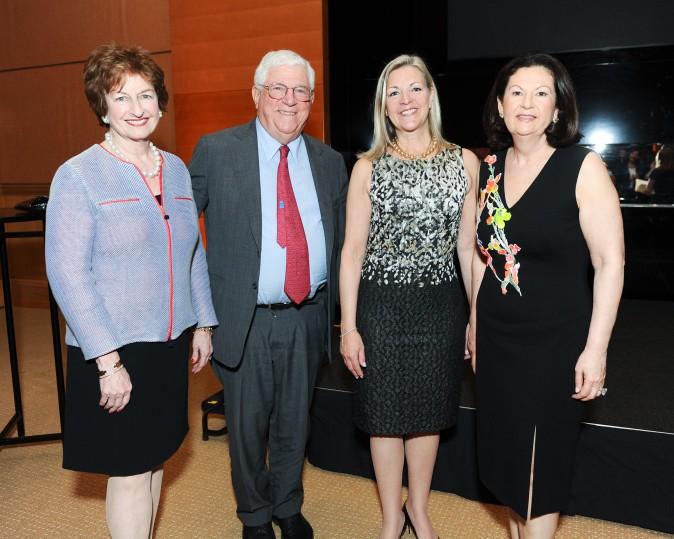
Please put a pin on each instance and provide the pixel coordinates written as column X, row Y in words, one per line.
column 272, row 255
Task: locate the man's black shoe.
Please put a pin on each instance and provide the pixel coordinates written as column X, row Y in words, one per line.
column 295, row 527
column 258, row 532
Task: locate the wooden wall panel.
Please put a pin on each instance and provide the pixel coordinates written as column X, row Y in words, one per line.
column 44, row 116
column 46, row 32
column 216, row 46
column 45, row 119
column 201, row 113
column 209, row 50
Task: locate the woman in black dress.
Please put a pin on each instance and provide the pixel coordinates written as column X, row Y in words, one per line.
column 548, row 219
column 403, row 310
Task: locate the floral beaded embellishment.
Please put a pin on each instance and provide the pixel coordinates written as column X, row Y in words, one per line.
column 497, row 217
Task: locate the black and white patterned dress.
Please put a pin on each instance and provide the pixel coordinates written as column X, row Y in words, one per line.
column 411, row 309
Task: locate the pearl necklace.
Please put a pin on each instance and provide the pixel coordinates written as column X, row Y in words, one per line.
column 153, row 150
column 427, row 153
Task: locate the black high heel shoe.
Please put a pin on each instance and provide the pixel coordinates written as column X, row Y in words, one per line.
column 408, row 523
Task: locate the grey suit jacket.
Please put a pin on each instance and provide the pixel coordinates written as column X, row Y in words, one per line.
column 226, row 184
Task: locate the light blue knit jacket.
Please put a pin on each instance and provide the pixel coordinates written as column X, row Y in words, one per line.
column 121, row 269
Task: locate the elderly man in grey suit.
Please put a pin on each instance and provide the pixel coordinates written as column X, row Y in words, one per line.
column 273, row 200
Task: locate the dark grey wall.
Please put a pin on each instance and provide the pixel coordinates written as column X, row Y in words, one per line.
column 497, row 28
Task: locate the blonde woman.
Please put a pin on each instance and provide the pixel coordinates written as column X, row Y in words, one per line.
column 410, row 207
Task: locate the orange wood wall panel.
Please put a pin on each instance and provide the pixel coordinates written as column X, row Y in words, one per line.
column 45, row 119
column 44, row 116
column 208, row 48
column 216, row 46
column 198, row 114
column 45, row 32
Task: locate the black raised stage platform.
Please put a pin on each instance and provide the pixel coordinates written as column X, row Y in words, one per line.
column 625, row 458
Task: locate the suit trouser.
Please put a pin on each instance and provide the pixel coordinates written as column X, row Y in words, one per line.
column 267, row 400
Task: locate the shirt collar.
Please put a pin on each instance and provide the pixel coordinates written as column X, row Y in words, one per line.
column 268, row 146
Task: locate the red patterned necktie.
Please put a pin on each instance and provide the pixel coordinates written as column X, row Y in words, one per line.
column 290, row 234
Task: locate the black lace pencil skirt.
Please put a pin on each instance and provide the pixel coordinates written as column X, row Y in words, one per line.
column 414, row 341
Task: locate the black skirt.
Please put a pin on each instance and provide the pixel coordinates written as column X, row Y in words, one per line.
column 149, row 429
column 414, row 342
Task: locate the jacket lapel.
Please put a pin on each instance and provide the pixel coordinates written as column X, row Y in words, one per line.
column 321, row 176
column 248, row 172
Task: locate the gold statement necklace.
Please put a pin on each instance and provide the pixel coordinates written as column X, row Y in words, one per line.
column 427, row 153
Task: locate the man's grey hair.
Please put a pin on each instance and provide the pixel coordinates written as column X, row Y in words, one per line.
column 282, row 58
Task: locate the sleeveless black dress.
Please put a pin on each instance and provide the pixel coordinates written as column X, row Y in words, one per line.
column 411, row 310
column 533, row 315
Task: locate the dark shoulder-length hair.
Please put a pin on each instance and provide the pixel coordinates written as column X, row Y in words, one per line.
column 562, row 133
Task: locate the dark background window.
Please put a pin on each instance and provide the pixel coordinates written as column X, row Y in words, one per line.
column 620, row 55
column 624, row 74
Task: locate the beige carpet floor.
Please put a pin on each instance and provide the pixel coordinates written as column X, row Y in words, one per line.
column 38, row 499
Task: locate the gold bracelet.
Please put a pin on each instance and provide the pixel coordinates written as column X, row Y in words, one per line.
column 205, row 329
column 111, row 370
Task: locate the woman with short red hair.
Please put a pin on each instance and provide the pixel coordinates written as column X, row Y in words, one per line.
column 127, row 268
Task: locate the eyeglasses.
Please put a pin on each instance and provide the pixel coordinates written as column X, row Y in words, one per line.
column 279, row 91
